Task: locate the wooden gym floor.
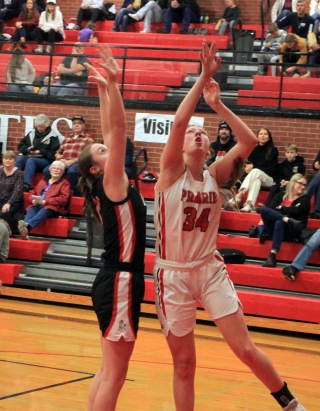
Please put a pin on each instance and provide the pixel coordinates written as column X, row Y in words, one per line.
column 49, row 354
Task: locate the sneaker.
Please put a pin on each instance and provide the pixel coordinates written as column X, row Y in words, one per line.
column 294, row 405
column 21, row 225
column 296, row 75
column 307, row 75
column 76, row 27
column 159, row 30
column 26, row 187
column 246, row 208
column 24, row 233
column 235, row 201
column 134, row 16
column 144, row 31
column 183, row 31
column 38, row 51
column 290, row 272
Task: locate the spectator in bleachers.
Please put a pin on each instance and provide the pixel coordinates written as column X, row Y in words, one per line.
column 20, row 73
column 314, row 188
column 70, row 150
column 230, row 15
column 73, row 79
column 128, row 7
column 48, row 199
column 224, row 142
column 5, row 233
column 302, row 258
column 10, row 9
column 11, row 189
column 152, row 12
column 293, row 51
column 40, row 5
column 50, row 27
column 90, row 10
column 180, row 11
column 300, row 21
column 260, row 169
column 86, row 35
column 271, row 49
column 293, row 164
column 286, row 216
column 314, row 11
column 37, row 149
column 314, row 51
column 281, row 9
column 26, row 25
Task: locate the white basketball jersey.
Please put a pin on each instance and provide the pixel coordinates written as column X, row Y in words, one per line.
column 186, row 218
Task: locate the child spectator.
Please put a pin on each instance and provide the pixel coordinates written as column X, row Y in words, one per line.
column 230, row 15
column 86, row 34
column 291, row 165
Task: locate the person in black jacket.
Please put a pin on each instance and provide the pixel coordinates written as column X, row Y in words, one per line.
column 185, row 11
column 300, row 22
column 291, row 165
column 314, row 188
column 260, row 169
column 224, row 143
column 286, row 217
column 230, row 15
column 37, row 149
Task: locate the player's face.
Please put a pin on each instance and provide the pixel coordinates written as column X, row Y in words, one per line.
column 196, row 138
column 99, row 154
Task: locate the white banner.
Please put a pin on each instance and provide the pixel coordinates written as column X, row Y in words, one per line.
column 155, row 128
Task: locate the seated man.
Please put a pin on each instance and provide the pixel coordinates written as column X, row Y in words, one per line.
column 37, row 149
column 89, row 10
column 152, row 12
column 73, row 74
column 300, row 21
column 70, row 150
column 271, row 47
column 224, row 142
column 293, row 51
column 185, row 11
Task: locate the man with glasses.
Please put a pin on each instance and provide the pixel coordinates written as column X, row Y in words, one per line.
column 73, row 74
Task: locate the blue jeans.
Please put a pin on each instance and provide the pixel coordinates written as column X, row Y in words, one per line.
column 72, row 89
column 36, row 214
column 283, row 14
column 27, row 34
column 304, row 255
column 73, row 176
column 316, row 18
column 314, row 188
column 122, row 20
column 275, row 226
column 19, row 88
column 186, row 16
column 31, row 166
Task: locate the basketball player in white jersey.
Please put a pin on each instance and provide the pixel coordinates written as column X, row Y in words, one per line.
column 188, row 267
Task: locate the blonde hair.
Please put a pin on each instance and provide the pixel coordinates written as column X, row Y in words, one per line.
column 9, row 153
column 289, row 186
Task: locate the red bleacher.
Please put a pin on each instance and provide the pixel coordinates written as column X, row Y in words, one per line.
column 9, row 272
column 28, row 250
column 296, row 93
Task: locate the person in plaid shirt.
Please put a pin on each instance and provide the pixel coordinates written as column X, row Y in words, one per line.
column 70, row 150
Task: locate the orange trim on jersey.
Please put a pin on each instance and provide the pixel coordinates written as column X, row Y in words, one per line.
column 115, row 304
column 121, row 239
